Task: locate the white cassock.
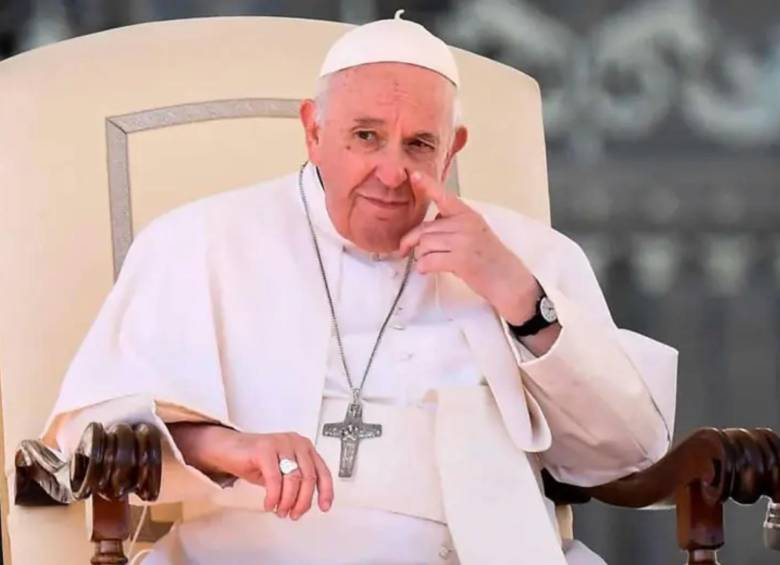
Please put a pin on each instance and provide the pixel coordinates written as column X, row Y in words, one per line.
column 220, row 314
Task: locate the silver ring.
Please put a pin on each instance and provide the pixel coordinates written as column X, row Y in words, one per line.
column 287, row 466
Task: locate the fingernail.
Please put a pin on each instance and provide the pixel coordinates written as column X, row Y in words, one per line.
column 416, row 175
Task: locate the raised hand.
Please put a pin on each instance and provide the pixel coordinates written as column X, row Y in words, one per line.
column 459, row 241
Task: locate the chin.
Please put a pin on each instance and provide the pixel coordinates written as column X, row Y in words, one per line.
column 378, row 242
column 379, row 235
column 376, row 246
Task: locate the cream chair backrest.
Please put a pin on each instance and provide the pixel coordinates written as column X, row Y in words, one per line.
column 100, row 134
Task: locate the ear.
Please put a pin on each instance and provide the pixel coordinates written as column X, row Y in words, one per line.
column 311, row 129
column 459, row 141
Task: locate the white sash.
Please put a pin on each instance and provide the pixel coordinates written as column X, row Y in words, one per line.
column 495, row 509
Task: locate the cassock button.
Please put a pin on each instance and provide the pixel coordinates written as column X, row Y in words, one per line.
column 444, row 552
column 398, row 326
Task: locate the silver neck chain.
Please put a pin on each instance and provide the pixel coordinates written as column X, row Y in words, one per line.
column 356, row 391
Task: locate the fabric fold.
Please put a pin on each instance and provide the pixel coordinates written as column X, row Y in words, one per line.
column 495, row 510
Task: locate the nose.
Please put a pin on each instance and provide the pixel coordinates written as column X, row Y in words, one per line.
column 390, row 169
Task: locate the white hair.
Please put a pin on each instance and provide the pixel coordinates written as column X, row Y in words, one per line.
column 322, row 90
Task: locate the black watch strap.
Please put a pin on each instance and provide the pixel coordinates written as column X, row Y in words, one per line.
column 533, row 326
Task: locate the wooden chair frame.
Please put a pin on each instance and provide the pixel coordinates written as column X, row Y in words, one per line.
column 697, row 477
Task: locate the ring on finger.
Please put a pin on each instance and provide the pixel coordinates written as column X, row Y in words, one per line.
column 287, row 466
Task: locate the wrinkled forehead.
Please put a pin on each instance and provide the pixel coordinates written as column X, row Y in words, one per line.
column 389, row 89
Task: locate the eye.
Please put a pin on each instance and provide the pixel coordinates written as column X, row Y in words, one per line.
column 366, row 134
column 420, row 145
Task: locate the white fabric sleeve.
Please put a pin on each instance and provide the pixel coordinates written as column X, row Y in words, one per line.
column 180, row 481
column 607, row 394
column 152, row 353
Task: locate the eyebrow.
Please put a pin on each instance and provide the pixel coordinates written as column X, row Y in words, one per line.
column 369, row 121
column 427, row 137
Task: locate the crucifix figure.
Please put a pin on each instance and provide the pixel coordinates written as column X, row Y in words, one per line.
column 351, row 431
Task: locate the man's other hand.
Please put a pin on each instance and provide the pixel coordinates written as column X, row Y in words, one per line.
column 255, row 458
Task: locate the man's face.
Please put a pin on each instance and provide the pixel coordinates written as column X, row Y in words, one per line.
column 380, row 123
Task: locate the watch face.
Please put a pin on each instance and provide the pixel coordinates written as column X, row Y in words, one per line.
column 548, row 310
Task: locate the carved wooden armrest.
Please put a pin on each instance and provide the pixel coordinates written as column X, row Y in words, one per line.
column 107, row 466
column 701, row 473
column 697, row 476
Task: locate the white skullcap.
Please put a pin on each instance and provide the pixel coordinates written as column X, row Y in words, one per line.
column 391, row 41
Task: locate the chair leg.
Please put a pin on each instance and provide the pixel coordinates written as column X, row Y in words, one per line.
column 699, row 525
column 110, row 527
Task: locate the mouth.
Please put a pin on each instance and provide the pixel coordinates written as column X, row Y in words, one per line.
column 385, row 204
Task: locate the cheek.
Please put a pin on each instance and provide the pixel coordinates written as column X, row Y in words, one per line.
column 420, row 198
column 336, row 159
column 432, row 165
column 343, row 173
column 417, row 214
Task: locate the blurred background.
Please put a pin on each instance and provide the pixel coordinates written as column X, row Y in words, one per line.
column 663, row 130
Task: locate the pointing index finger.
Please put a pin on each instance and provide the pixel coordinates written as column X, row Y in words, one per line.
column 448, row 204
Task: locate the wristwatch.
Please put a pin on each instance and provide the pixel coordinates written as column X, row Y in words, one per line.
column 545, row 316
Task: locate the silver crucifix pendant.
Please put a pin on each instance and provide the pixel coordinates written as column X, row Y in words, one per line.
column 351, row 431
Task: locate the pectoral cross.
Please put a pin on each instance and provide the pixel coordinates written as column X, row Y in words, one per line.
column 351, row 431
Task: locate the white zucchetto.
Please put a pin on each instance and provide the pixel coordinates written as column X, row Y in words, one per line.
column 391, row 41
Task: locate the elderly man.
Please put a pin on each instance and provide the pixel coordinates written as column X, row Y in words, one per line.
column 354, row 335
